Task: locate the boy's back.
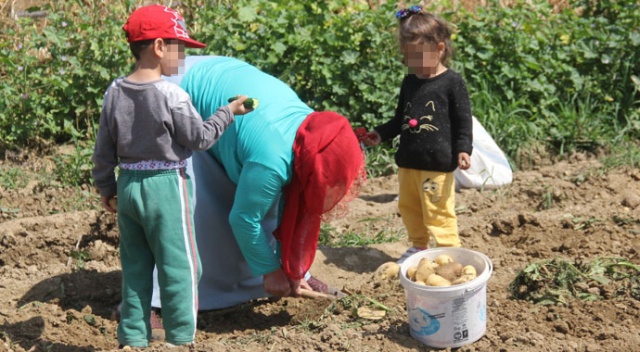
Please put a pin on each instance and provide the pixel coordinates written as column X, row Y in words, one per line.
column 148, row 128
column 141, row 116
column 150, row 121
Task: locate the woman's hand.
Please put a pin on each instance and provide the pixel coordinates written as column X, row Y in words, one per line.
column 297, row 285
column 276, row 283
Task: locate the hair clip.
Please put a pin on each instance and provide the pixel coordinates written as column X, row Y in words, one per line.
column 408, row 11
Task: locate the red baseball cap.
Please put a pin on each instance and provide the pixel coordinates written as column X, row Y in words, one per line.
column 157, row 21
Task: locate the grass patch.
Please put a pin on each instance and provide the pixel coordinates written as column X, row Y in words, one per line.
column 558, row 281
column 13, row 178
column 330, row 238
column 627, row 155
column 380, row 160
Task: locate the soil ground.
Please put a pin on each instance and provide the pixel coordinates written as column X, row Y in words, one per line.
column 60, row 274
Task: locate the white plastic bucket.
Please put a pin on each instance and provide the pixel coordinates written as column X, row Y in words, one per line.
column 451, row 316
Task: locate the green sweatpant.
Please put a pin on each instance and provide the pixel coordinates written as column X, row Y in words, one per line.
column 156, row 228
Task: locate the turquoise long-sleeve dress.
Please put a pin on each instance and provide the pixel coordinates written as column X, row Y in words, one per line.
column 240, row 180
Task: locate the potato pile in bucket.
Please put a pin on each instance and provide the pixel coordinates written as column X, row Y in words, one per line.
column 442, row 271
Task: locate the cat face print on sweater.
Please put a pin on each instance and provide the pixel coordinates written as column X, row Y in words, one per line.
column 422, row 123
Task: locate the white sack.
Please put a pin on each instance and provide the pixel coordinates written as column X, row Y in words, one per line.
column 490, row 168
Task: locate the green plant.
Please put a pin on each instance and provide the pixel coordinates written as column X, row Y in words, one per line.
column 81, row 258
column 353, row 239
column 301, row 42
column 55, row 72
column 310, row 325
column 90, row 319
column 627, row 155
column 75, row 169
column 561, row 79
column 584, row 224
column 538, row 78
column 82, row 198
column 380, row 160
column 328, row 237
column 70, row 317
column 12, row 178
column 620, row 221
column 547, row 201
column 557, row 281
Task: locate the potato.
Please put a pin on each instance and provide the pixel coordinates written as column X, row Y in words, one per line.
column 469, row 270
column 450, row 271
column 411, row 273
column 426, row 261
column 443, row 259
column 467, row 274
column 425, row 267
column 371, row 314
column 437, row 280
column 462, row 279
column 424, row 271
column 447, row 272
column 387, row 271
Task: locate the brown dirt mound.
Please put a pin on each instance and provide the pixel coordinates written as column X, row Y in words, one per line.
column 60, row 276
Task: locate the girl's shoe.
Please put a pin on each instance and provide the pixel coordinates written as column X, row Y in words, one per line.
column 411, row 251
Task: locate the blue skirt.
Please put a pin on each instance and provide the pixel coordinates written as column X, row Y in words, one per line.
column 226, row 279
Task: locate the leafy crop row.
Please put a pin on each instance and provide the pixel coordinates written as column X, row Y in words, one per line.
column 563, row 79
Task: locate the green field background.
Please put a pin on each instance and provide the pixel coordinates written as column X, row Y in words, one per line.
column 553, row 77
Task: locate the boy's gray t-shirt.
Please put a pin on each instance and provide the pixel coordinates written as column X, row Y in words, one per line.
column 150, row 121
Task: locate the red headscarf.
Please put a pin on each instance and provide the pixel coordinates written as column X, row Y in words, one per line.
column 328, row 165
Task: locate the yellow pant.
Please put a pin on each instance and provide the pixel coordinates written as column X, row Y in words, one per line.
column 427, row 207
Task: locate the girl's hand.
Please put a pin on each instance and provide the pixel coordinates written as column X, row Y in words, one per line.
column 237, row 107
column 372, row 138
column 464, row 161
